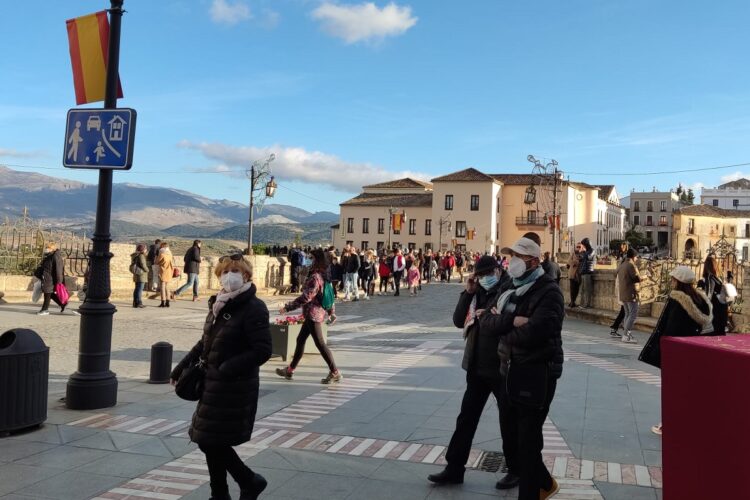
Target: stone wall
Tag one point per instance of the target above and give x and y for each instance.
(270, 274)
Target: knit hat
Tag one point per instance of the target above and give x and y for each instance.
(485, 265)
(683, 274)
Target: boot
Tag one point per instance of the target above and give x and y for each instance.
(167, 305)
(252, 490)
(135, 304)
(447, 476)
(220, 492)
(140, 305)
(162, 304)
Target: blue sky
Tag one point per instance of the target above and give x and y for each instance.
(347, 93)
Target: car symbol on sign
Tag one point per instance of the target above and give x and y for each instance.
(94, 122)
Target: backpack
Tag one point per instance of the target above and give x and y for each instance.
(133, 266)
(328, 296)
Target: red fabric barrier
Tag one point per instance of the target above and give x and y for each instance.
(706, 411)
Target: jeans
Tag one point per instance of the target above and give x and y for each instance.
(587, 283)
(478, 389)
(223, 459)
(521, 430)
(631, 311)
(309, 327)
(192, 280)
(350, 285)
(138, 292)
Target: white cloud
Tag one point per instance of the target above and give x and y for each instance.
(224, 12)
(365, 21)
(298, 164)
(14, 153)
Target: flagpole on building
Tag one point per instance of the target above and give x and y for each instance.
(94, 385)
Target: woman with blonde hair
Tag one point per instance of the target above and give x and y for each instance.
(236, 341)
(166, 272)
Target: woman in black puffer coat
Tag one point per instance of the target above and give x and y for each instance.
(237, 340)
(51, 272)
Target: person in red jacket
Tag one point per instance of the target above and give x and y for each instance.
(384, 271)
(449, 263)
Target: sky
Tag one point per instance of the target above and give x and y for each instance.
(349, 93)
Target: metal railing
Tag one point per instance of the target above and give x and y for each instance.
(531, 221)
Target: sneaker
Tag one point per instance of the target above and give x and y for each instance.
(446, 477)
(332, 377)
(544, 494)
(614, 333)
(628, 339)
(657, 429)
(285, 372)
(367, 297)
(43, 313)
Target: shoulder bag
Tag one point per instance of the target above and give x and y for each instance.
(527, 384)
(192, 379)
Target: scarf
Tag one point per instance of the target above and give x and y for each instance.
(520, 287)
(223, 297)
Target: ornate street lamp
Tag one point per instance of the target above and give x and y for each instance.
(258, 172)
(271, 188)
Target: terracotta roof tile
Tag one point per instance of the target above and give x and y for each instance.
(711, 211)
(466, 175)
(406, 182)
(387, 200)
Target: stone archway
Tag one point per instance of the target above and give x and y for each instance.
(689, 248)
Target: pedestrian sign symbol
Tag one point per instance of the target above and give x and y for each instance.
(99, 138)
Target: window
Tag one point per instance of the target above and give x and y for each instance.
(649, 206)
(412, 226)
(411, 246)
(662, 220)
(716, 203)
(350, 225)
(474, 202)
(531, 216)
(636, 206)
(691, 226)
(747, 230)
(636, 220)
(649, 235)
(365, 225)
(744, 254)
(663, 206)
(649, 220)
(449, 202)
(350, 243)
(428, 227)
(460, 229)
(380, 245)
(735, 203)
(428, 246)
(381, 226)
(365, 245)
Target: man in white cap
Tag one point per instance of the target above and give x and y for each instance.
(528, 321)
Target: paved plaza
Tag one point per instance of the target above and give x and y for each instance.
(376, 435)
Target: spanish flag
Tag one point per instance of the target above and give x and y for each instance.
(88, 37)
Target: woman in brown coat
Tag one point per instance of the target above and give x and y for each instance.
(166, 272)
(573, 274)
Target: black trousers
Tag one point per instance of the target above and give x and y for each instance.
(619, 318)
(397, 275)
(54, 297)
(294, 278)
(309, 327)
(223, 459)
(521, 430)
(575, 285)
(478, 389)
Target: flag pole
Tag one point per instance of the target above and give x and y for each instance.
(94, 385)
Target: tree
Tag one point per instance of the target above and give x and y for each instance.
(637, 239)
(686, 196)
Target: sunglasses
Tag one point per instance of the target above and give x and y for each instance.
(234, 256)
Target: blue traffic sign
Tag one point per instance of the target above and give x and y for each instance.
(99, 138)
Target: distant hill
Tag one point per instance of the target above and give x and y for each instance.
(279, 234)
(145, 211)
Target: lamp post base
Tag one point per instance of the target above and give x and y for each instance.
(91, 391)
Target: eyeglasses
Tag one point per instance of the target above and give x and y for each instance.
(234, 256)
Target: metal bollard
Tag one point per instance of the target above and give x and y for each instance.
(161, 363)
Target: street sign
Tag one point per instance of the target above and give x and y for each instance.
(99, 138)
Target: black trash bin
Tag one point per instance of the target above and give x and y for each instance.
(24, 370)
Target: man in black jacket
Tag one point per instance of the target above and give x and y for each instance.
(480, 362)
(191, 269)
(528, 321)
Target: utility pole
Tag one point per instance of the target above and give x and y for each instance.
(250, 216)
(94, 385)
(259, 171)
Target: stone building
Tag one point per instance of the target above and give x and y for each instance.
(732, 195)
(699, 227)
(652, 213)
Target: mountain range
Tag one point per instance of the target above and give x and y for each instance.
(139, 210)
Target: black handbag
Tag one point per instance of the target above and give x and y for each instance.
(651, 352)
(193, 377)
(527, 384)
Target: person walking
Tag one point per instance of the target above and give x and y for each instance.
(236, 341)
(139, 269)
(460, 262)
(399, 264)
(449, 264)
(574, 276)
(367, 273)
(337, 274)
(51, 271)
(588, 258)
(312, 309)
(714, 286)
(153, 253)
(384, 271)
(166, 272)
(427, 269)
(617, 323)
(627, 290)
(413, 278)
(351, 290)
(295, 262)
(528, 320)
(482, 366)
(685, 314)
(191, 269)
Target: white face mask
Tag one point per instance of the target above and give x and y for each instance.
(232, 281)
(516, 267)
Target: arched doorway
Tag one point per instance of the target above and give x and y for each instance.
(690, 248)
